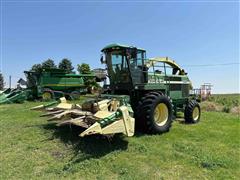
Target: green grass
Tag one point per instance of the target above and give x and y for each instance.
(229, 100)
(32, 148)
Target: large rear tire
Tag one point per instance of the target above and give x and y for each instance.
(154, 113)
(192, 112)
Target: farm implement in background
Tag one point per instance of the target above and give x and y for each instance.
(13, 96)
(48, 85)
(55, 83)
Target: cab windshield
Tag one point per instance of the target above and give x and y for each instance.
(119, 68)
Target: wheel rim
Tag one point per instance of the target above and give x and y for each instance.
(47, 95)
(196, 113)
(161, 114)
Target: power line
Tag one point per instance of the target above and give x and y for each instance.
(209, 65)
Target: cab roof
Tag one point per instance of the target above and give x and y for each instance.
(116, 46)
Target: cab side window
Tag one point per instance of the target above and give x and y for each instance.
(169, 70)
(159, 68)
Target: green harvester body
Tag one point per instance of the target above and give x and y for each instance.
(55, 81)
(136, 75)
(158, 88)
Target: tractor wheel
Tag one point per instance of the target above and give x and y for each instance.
(47, 95)
(154, 113)
(192, 112)
(75, 95)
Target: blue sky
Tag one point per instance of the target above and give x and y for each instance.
(191, 33)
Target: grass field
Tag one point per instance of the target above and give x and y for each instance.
(230, 100)
(31, 148)
(229, 103)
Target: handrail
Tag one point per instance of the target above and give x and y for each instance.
(167, 60)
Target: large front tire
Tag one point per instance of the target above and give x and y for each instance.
(155, 113)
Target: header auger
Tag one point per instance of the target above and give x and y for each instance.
(144, 92)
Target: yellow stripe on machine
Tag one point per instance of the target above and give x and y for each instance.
(63, 85)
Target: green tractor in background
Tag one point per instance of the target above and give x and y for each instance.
(158, 87)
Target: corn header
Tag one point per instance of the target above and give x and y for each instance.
(106, 115)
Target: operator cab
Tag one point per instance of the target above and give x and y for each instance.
(125, 65)
(128, 69)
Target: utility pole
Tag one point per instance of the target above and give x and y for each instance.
(10, 81)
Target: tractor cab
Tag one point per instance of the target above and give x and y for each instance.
(130, 72)
(125, 65)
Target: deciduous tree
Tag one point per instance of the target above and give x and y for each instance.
(84, 68)
(66, 65)
(90, 82)
(37, 68)
(48, 64)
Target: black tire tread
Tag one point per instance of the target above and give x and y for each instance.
(189, 112)
(145, 108)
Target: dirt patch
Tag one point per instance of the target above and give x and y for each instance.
(235, 110)
(211, 106)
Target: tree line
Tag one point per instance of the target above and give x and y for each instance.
(64, 64)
